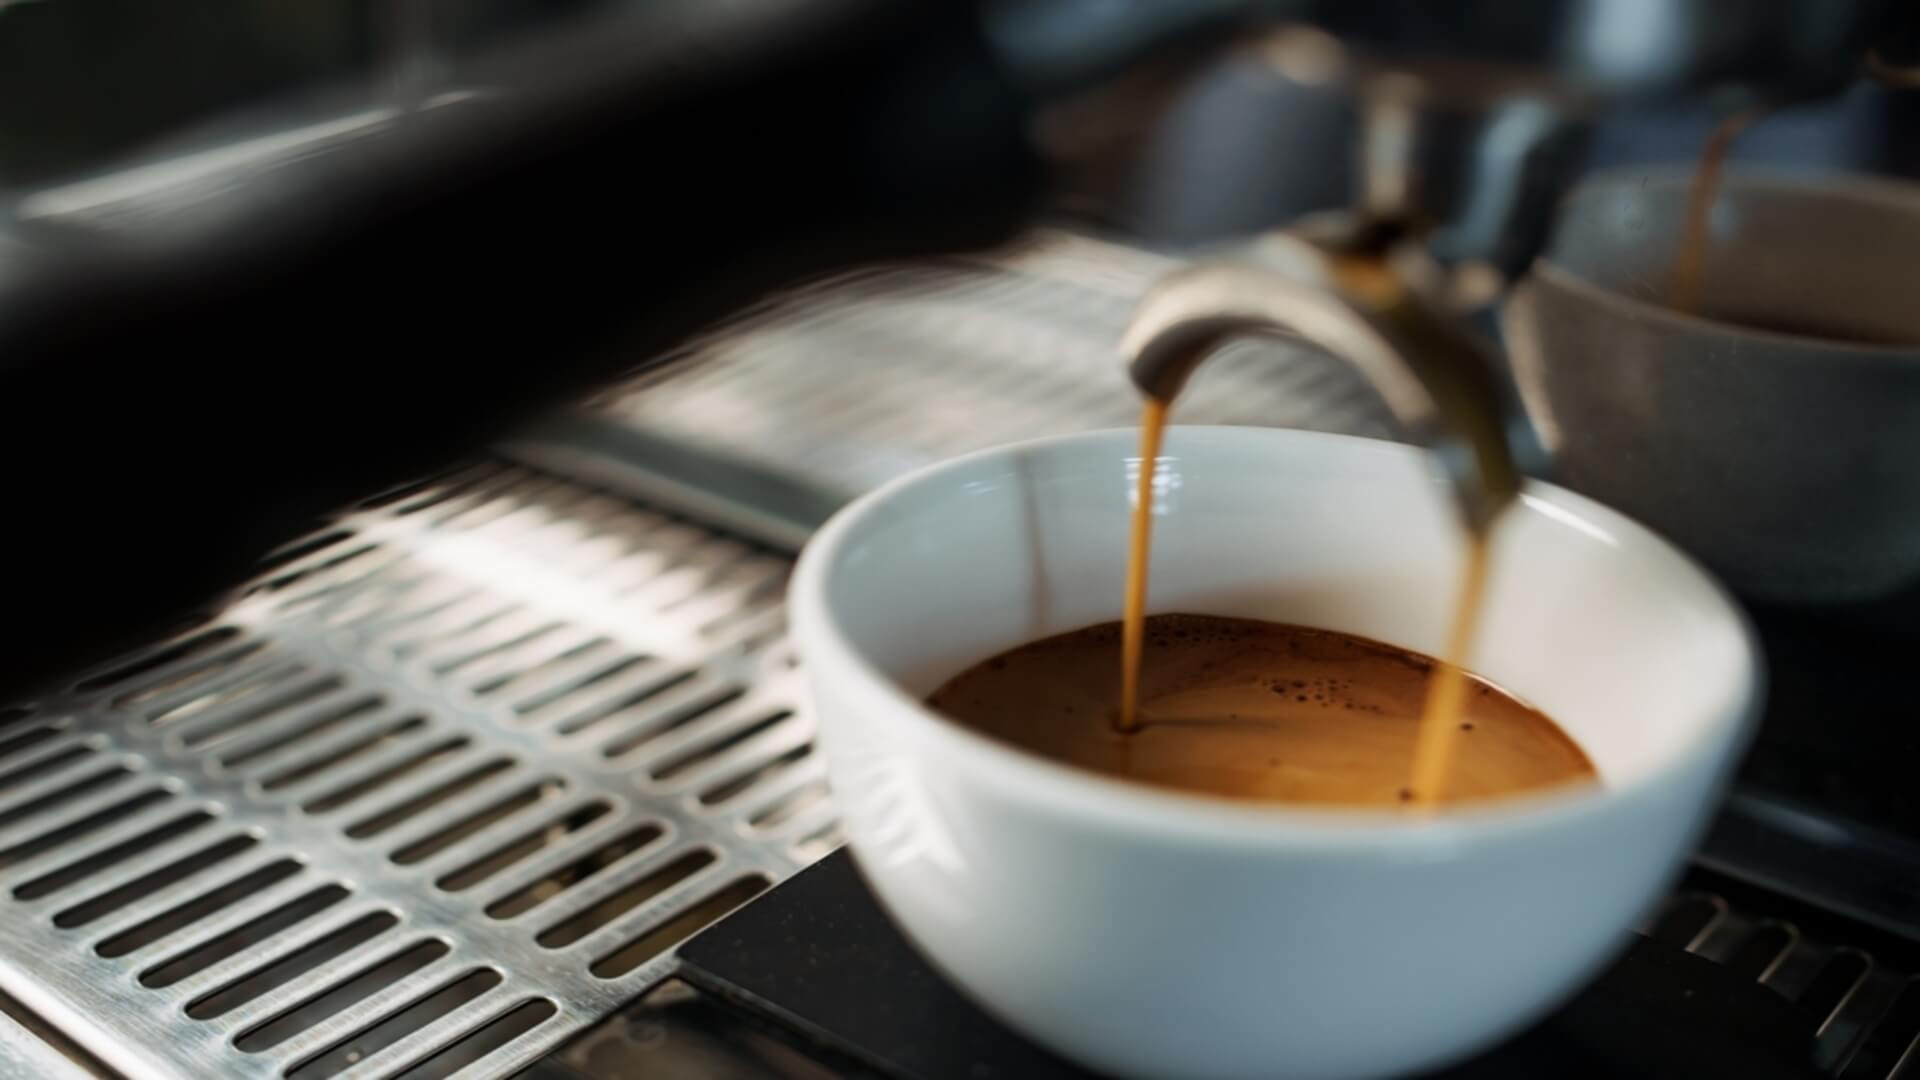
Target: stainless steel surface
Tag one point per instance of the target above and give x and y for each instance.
(1440, 384)
(445, 787)
(830, 391)
(23, 1054)
(1783, 461)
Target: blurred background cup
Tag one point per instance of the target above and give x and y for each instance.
(1772, 434)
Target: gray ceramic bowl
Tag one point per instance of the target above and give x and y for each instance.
(1778, 436)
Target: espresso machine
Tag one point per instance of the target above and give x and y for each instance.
(384, 712)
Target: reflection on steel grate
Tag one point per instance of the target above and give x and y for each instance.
(1862, 988)
(448, 784)
(848, 383)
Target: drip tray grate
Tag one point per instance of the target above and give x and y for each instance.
(446, 786)
(821, 394)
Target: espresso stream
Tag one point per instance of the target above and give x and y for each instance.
(1690, 258)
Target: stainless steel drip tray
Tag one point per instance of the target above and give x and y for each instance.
(445, 787)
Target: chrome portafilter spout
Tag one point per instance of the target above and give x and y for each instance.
(1373, 300)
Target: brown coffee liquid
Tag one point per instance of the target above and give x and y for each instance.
(1690, 259)
(1447, 693)
(1261, 711)
(1153, 424)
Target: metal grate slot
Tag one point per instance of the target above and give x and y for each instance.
(549, 694)
(503, 645)
(158, 658)
(603, 912)
(551, 884)
(295, 552)
(81, 869)
(1859, 1008)
(685, 704)
(678, 928)
(527, 683)
(1891, 1039)
(414, 762)
(311, 567)
(395, 741)
(64, 791)
(285, 917)
(440, 1003)
(333, 755)
(1689, 919)
(449, 835)
(539, 653)
(743, 782)
(312, 725)
(227, 689)
(1764, 950)
(419, 804)
(308, 1014)
(494, 1034)
(524, 847)
(176, 684)
(178, 918)
(449, 624)
(790, 806)
(26, 740)
(820, 843)
(153, 882)
(222, 728)
(716, 746)
(1841, 976)
(48, 763)
(72, 831)
(280, 972)
(641, 682)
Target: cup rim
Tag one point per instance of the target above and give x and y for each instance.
(1143, 809)
(1872, 191)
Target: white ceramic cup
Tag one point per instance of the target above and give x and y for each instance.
(1157, 934)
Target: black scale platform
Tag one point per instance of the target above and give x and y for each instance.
(813, 981)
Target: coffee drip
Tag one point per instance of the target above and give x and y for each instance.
(1690, 258)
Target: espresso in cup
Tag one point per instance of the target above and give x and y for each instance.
(1260, 711)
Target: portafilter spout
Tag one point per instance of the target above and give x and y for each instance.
(1376, 309)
